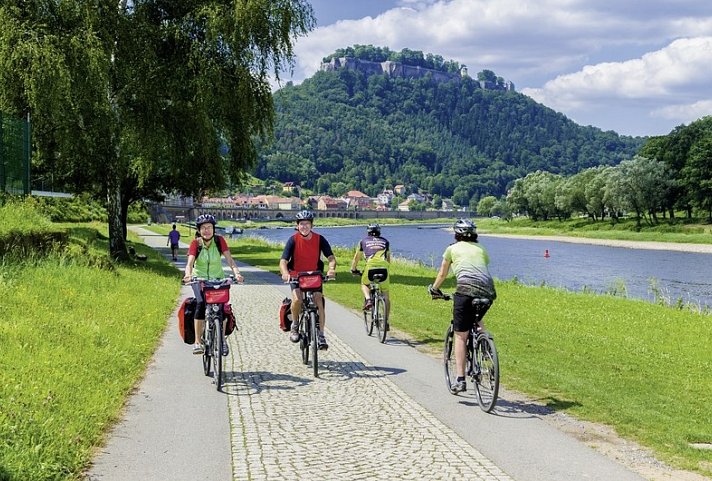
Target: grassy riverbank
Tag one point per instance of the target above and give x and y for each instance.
(77, 332)
(644, 369)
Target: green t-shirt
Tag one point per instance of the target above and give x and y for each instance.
(469, 262)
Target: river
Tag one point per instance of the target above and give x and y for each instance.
(637, 273)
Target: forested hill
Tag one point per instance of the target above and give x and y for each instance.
(344, 130)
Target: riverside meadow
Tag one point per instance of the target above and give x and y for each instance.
(78, 331)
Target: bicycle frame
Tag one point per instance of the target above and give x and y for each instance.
(309, 283)
(482, 362)
(377, 316)
(216, 294)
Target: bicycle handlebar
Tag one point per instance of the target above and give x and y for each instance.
(195, 280)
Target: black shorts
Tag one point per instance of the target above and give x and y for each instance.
(464, 313)
(174, 246)
(200, 306)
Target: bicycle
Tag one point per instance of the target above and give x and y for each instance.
(482, 362)
(309, 283)
(377, 316)
(216, 294)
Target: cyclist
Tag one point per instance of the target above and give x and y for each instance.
(173, 240)
(302, 253)
(204, 261)
(469, 261)
(376, 250)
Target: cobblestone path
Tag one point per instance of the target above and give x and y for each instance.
(351, 423)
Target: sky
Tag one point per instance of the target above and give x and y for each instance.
(637, 67)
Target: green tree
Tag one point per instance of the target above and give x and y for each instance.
(485, 205)
(697, 175)
(129, 95)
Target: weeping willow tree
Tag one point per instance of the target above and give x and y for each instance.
(136, 97)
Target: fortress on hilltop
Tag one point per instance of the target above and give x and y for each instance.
(400, 70)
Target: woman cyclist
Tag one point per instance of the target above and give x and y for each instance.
(205, 261)
(469, 261)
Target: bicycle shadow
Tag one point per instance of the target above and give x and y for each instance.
(525, 409)
(346, 370)
(239, 383)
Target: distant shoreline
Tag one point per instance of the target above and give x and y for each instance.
(628, 244)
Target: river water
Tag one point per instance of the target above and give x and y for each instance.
(637, 273)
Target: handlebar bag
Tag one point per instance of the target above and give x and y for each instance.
(309, 281)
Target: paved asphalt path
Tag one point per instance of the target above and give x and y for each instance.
(177, 427)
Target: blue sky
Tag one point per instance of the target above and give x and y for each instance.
(634, 66)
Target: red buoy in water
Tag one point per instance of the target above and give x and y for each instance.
(546, 253)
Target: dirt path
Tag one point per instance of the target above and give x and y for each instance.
(652, 245)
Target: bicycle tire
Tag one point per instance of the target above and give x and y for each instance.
(304, 338)
(207, 361)
(314, 326)
(380, 318)
(487, 379)
(217, 355)
(449, 359)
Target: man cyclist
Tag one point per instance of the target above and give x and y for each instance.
(469, 261)
(302, 253)
(376, 250)
(205, 261)
(173, 240)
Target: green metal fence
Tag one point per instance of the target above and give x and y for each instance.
(14, 155)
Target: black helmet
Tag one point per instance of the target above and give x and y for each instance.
(373, 229)
(305, 215)
(204, 219)
(465, 227)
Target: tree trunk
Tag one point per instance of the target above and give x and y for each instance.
(117, 241)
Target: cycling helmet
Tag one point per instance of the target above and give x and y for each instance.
(465, 227)
(204, 219)
(305, 215)
(373, 229)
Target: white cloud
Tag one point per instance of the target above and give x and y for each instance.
(678, 71)
(685, 113)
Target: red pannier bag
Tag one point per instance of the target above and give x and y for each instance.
(230, 322)
(186, 314)
(285, 315)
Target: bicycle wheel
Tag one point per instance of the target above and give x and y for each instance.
(487, 379)
(206, 353)
(217, 355)
(304, 337)
(449, 359)
(380, 318)
(314, 328)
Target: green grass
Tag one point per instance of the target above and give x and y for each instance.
(666, 231)
(77, 333)
(644, 369)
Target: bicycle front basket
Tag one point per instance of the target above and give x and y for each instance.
(310, 281)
